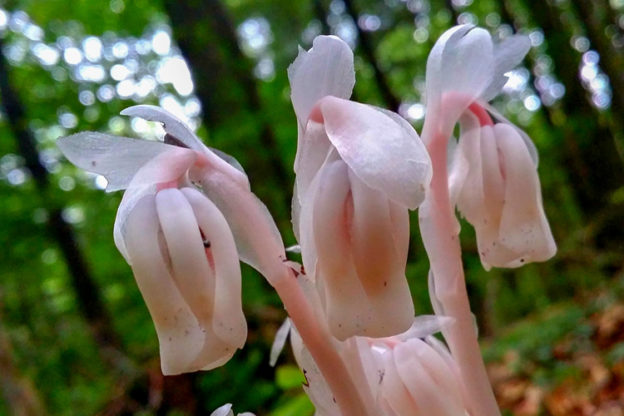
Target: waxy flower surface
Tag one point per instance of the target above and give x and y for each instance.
(359, 168)
(493, 177)
(178, 243)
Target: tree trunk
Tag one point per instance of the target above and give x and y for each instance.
(227, 89)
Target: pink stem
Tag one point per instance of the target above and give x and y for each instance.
(439, 233)
(243, 208)
(317, 340)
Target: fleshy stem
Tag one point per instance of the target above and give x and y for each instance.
(316, 339)
(440, 236)
(241, 207)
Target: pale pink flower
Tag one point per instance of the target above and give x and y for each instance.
(493, 175)
(359, 169)
(408, 374)
(177, 241)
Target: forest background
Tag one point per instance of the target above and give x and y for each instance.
(75, 335)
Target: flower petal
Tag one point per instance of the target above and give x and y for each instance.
(280, 341)
(228, 321)
(194, 276)
(524, 228)
(173, 126)
(116, 158)
(179, 334)
(461, 63)
(384, 152)
(164, 167)
(257, 238)
(326, 69)
(379, 263)
(508, 54)
(346, 303)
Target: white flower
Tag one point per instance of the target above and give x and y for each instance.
(178, 243)
(359, 168)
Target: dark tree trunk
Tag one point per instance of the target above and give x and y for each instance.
(226, 86)
(391, 101)
(589, 149)
(87, 293)
(593, 16)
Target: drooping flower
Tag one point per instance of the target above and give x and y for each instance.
(359, 168)
(493, 177)
(178, 242)
(411, 373)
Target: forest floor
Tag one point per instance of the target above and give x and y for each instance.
(568, 361)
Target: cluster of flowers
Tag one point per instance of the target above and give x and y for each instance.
(188, 216)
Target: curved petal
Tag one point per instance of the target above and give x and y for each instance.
(228, 321)
(470, 195)
(508, 54)
(524, 228)
(179, 334)
(394, 395)
(346, 303)
(428, 380)
(116, 158)
(379, 263)
(257, 238)
(165, 167)
(461, 62)
(173, 126)
(194, 276)
(326, 69)
(312, 150)
(384, 153)
(281, 336)
(499, 118)
(225, 410)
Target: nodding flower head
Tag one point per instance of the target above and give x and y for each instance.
(178, 243)
(359, 168)
(411, 373)
(493, 174)
(495, 184)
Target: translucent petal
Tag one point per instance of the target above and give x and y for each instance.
(385, 154)
(507, 55)
(173, 126)
(195, 278)
(524, 228)
(179, 334)
(165, 167)
(326, 69)
(279, 342)
(312, 151)
(228, 321)
(395, 397)
(116, 158)
(257, 238)
(379, 263)
(429, 382)
(347, 308)
(225, 410)
(461, 62)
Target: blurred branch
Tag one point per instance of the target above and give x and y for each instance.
(366, 45)
(451, 9)
(592, 15)
(223, 74)
(321, 16)
(87, 292)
